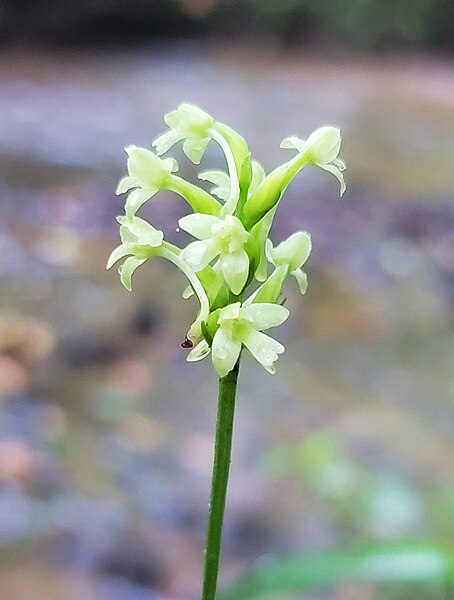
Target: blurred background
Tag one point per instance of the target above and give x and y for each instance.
(105, 432)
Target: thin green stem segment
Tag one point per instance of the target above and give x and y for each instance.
(219, 481)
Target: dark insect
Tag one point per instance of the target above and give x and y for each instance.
(187, 343)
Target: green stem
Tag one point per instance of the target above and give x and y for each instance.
(219, 481)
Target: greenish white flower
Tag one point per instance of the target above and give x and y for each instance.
(232, 244)
(147, 174)
(139, 241)
(196, 128)
(292, 253)
(321, 148)
(218, 237)
(191, 124)
(243, 326)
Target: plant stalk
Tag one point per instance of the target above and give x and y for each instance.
(219, 481)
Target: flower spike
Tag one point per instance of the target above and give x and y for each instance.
(232, 245)
(231, 251)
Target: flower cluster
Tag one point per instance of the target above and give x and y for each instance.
(227, 266)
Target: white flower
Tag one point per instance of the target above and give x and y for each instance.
(243, 325)
(219, 237)
(322, 149)
(196, 128)
(147, 174)
(293, 253)
(139, 241)
(188, 123)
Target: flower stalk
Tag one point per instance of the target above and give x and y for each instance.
(227, 264)
(219, 481)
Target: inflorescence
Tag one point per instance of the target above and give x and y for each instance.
(227, 267)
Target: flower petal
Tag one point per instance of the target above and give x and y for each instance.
(136, 198)
(221, 181)
(340, 163)
(263, 348)
(263, 315)
(194, 148)
(147, 169)
(171, 164)
(224, 352)
(293, 142)
(294, 251)
(199, 352)
(127, 269)
(143, 231)
(119, 252)
(126, 236)
(229, 312)
(199, 225)
(258, 175)
(188, 292)
(165, 141)
(199, 254)
(125, 184)
(189, 119)
(301, 279)
(235, 268)
(337, 174)
(217, 177)
(324, 144)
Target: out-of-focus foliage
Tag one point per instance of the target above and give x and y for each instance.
(372, 24)
(378, 503)
(395, 563)
(367, 23)
(66, 22)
